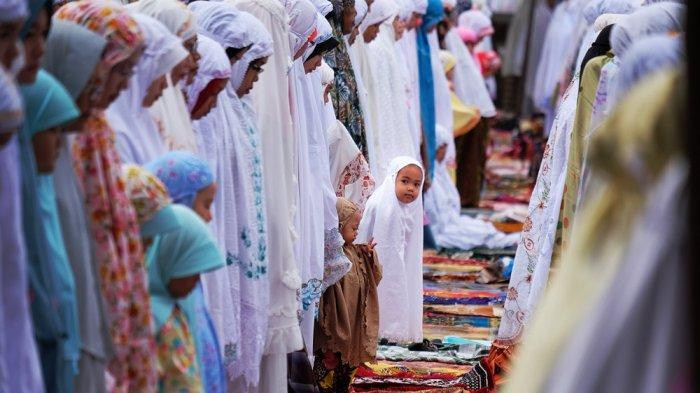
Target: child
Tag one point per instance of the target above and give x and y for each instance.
(347, 326)
(190, 182)
(394, 218)
(48, 107)
(180, 248)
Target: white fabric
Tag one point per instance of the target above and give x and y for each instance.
(533, 256)
(398, 230)
(421, 6)
(477, 22)
(381, 10)
(443, 95)
(639, 325)
(469, 84)
(657, 18)
(323, 6)
(361, 9)
(138, 138)
(644, 57)
(270, 97)
(170, 110)
(20, 370)
(213, 64)
(442, 205)
(223, 23)
(407, 46)
(557, 52)
(302, 22)
(387, 100)
(406, 8)
(355, 51)
(172, 13)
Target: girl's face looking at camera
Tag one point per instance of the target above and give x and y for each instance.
(408, 183)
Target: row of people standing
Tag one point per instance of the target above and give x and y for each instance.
(137, 124)
(595, 196)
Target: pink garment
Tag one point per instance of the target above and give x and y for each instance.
(119, 252)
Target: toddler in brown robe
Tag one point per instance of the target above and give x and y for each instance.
(348, 324)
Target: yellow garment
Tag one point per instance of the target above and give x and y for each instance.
(465, 117)
(627, 156)
(584, 110)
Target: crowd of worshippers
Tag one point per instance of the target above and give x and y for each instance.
(191, 192)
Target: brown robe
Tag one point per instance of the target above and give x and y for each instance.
(348, 321)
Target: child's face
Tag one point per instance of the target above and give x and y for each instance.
(203, 200)
(408, 183)
(349, 230)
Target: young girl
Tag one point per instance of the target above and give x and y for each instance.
(348, 323)
(180, 248)
(394, 219)
(48, 106)
(190, 182)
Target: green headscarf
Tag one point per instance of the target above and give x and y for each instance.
(181, 253)
(54, 311)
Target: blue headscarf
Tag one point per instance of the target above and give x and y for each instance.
(183, 174)
(54, 311)
(432, 17)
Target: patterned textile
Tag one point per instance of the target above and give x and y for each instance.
(118, 250)
(343, 94)
(357, 171)
(412, 373)
(332, 375)
(177, 360)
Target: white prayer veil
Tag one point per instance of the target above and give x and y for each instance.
(657, 18)
(170, 110)
(645, 57)
(323, 6)
(381, 10)
(172, 13)
(421, 6)
(387, 110)
(397, 229)
(11, 112)
(302, 22)
(138, 138)
(477, 21)
(213, 64)
(223, 23)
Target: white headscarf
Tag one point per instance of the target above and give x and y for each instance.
(323, 6)
(653, 19)
(223, 23)
(213, 64)
(380, 11)
(421, 6)
(643, 58)
(398, 230)
(170, 110)
(387, 109)
(261, 47)
(172, 13)
(406, 8)
(138, 139)
(302, 22)
(476, 21)
(12, 10)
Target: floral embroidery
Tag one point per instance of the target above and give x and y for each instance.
(230, 354)
(310, 293)
(336, 264)
(178, 370)
(357, 170)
